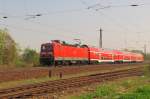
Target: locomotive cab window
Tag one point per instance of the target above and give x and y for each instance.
(46, 47)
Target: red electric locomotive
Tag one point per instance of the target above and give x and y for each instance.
(58, 52)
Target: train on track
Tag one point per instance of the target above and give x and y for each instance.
(59, 53)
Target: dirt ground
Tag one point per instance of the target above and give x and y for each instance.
(37, 72)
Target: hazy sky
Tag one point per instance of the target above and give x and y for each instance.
(123, 26)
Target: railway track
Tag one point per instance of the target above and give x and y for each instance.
(28, 91)
(37, 72)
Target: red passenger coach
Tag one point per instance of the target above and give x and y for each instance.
(94, 55)
(107, 56)
(127, 57)
(118, 56)
(140, 58)
(133, 57)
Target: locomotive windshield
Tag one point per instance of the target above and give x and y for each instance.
(46, 48)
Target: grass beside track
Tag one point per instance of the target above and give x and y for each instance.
(44, 79)
(130, 88)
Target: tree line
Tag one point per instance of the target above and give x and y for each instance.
(12, 55)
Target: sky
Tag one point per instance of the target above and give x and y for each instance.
(123, 26)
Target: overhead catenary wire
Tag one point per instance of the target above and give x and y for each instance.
(60, 12)
(97, 6)
(125, 28)
(31, 16)
(112, 19)
(94, 6)
(108, 17)
(36, 15)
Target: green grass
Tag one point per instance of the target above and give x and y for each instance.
(102, 91)
(142, 92)
(133, 88)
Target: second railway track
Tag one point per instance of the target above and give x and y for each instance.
(33, 90)
(39, 72)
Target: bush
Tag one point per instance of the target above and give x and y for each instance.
(9, 53)
(30, 56)
(8, 49)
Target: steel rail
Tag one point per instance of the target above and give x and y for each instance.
(59, 85)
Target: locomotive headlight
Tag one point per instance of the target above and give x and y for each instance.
(50, 53)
